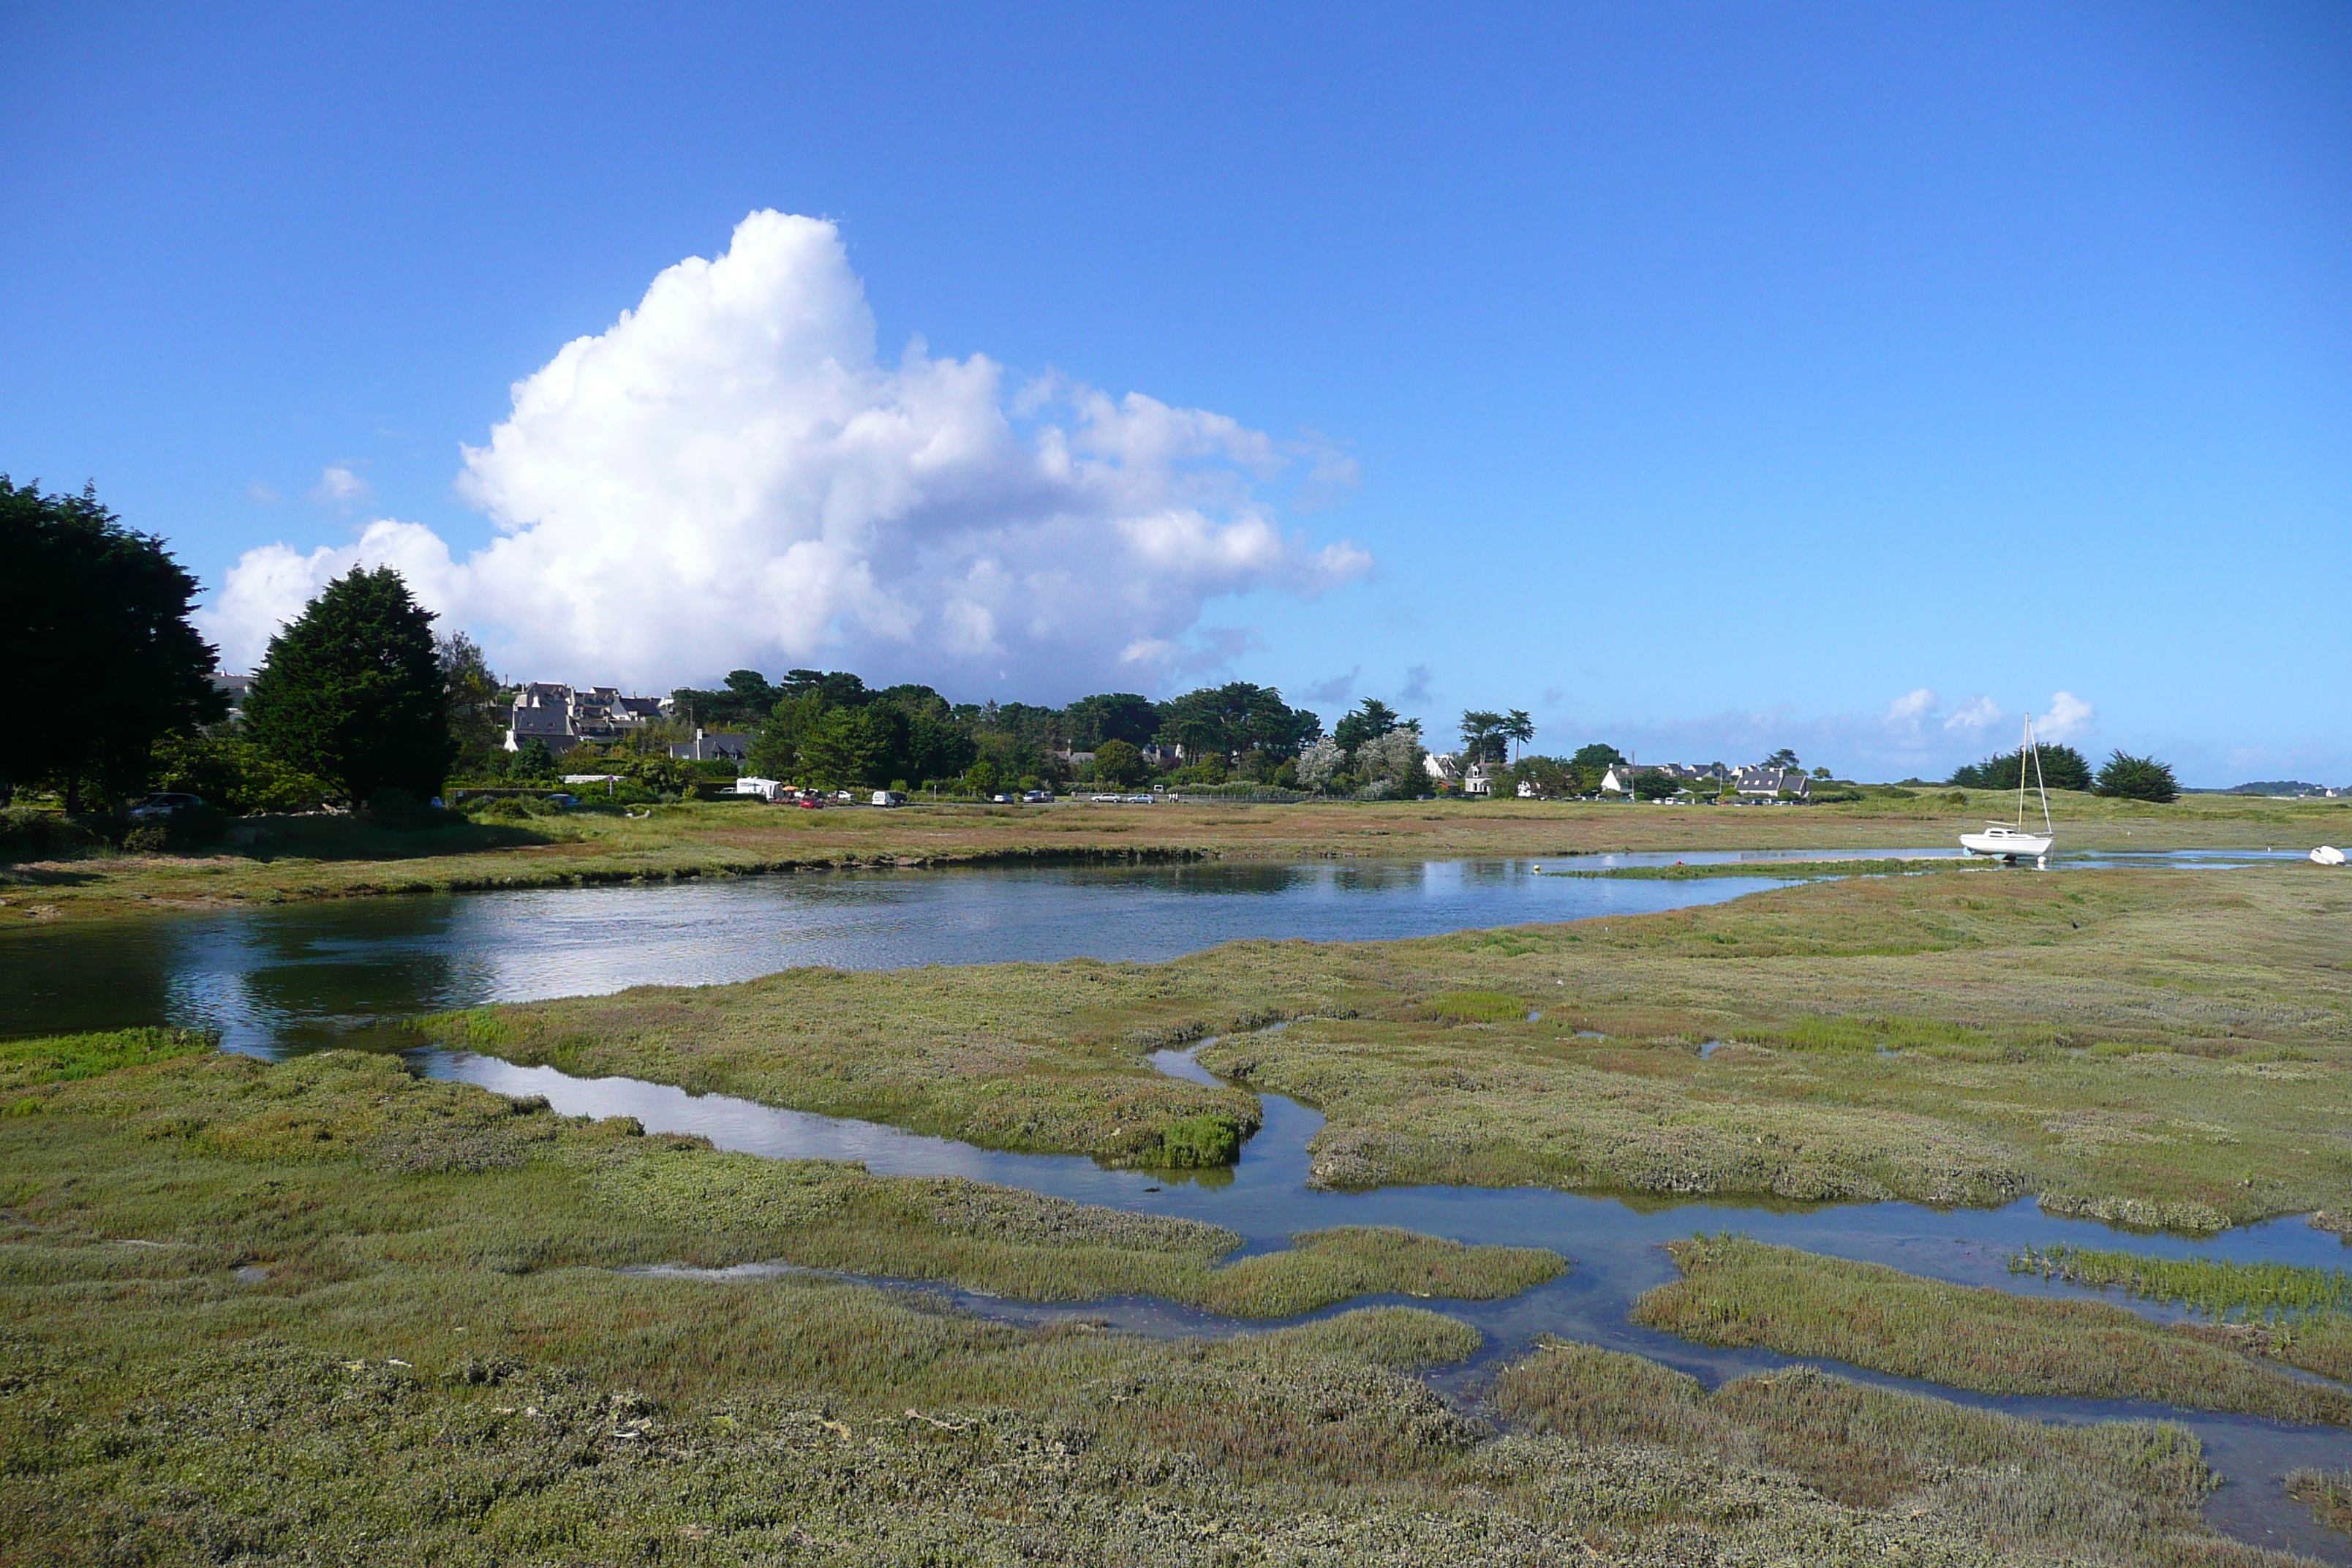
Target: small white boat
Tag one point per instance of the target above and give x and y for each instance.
(2001, 838)
(2327, 855)
(2015, 843)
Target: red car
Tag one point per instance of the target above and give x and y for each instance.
(812, 802)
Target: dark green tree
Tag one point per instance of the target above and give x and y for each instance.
(479, 710)
(2138, 778)
(352, 692)
(1226, 721)
(1783, 758)
(533, 764)
(89, 606)
(1486, 737)
(1651, 783)
(2063, 767)
(234, 775)
(1549, 776)
(1519, 728)
(775, 750)
(1091, 721)
(1118, 763)
(1370, 720)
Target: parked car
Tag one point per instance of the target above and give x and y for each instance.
(563, 799)
(889, 798)
(1004, 800)
(810, 802)
(1039, 797)
(1138, 799)
(160, 807)
(1106, 799)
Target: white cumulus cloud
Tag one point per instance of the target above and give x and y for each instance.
(339, 486)
(1910, 708)
(2068, 718)
(729, 475)
(1975, 713)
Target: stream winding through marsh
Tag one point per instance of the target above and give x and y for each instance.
(273, 981)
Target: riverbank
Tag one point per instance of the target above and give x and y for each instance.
(273, 861)
(2153, 1046)
(322, 1307)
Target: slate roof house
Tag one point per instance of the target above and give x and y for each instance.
(707, 747)
(562, 717)
(1771, 784)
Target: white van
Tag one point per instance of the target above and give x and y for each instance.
(889, 798)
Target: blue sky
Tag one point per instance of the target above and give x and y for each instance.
(1706, 379)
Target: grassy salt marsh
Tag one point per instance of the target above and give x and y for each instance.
(2152, 1047)
(323, 1312)
(1738, 1293)
(280, 859)
(2126, 1491)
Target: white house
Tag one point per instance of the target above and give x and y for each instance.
(1441, 766)
(1618, 779)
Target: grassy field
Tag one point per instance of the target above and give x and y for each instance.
(284, 858)
(321, 1312)
(1738, 1293)
(2159, 1048)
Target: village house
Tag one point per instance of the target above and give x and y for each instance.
(1772, 783)
(709, 747)
(562, 717)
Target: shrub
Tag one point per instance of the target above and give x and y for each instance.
(2138, 778)
(29, 833)
(1198, 1141)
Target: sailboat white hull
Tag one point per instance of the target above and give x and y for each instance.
(2015, 843)
(2006, 841)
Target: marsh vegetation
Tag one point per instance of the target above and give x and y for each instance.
(1738, 1293)
(2159, 1047)
(324, 1309)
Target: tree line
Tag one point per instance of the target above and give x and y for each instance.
(358, 700)
(2122, 775)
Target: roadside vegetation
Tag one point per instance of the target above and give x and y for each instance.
(1738, 1293)
(323, 1310)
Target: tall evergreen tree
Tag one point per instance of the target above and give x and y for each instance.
(353, 691)
(91, 607)
(2138, 778)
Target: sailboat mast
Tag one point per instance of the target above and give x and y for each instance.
(2040, 786)
(2023, 747)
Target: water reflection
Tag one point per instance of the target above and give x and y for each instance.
(296, 977)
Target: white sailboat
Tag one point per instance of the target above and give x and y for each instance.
(2014, 843)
